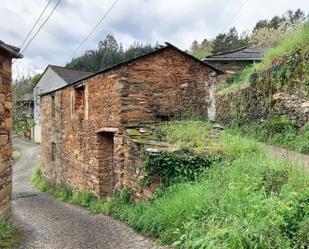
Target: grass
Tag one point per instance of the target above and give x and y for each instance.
(191, 134)
(16, 154)
(249, 200)
(9, 236)
(292, 41)
(299, 38)
(277, 131)
(238, 80)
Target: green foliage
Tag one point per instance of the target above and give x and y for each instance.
(241, 77)
(299, 38)
(289, 18)
(248, 200)
(238, 204)
(9, 236)
(228, 41)
(200, 50)
(16, 154)
(82, 198)
(108, 53)
(6, 229)
(285, 66)
(177, 166)
(191, 134)
(20, 126)
(35, 79)
(278, 130)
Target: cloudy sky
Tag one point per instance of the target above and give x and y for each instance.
(176, 21)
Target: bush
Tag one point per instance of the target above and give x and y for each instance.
(240, 203)
(177, 166)
(6, 230)
(9, 237)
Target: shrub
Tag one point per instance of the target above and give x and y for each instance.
(177, 166)
(6, 229)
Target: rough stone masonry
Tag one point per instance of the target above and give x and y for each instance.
(7, 52)
(86, 126)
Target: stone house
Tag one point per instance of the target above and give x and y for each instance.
(86, 126)
(53, 78)
(7, 52)
(235, 60)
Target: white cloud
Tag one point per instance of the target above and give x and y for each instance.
(176, 21)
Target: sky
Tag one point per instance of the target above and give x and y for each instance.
(149, 21)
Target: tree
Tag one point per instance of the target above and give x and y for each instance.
(108, 53)
(229, 41)
(288, 19)
(270, 33)
(200, 50)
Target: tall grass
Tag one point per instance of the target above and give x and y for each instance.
(292, 40)
(238, 204)
(277, 131)
(187, 134)
(250, 200)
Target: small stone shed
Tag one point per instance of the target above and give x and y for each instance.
(235, 60)
(7, 52)
(86, 141)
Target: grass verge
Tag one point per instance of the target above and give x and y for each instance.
(9, 236)
(249, 200)
(277, 131)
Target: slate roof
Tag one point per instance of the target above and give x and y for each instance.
(241, 54)
(161, 48)
(69, 75)
(13, 51)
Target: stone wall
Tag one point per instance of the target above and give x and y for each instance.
(91, 125)
(249, 104)
(5, 135)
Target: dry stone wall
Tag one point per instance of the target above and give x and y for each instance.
(249, 104)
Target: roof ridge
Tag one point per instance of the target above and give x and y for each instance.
(70, 69)
(228, 52)
(168, 45)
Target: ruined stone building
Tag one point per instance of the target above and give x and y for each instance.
(235, 60)
(86, 126)
(53, 78)
(7, 52)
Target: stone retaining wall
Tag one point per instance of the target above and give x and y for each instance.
(248, 104)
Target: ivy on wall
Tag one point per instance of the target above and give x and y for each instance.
(176, 166)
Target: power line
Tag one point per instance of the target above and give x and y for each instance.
(235, 15)
(95, 27)
(42, 25)
(37, 21)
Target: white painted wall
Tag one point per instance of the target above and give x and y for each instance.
(49, 81)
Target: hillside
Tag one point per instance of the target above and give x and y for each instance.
(269, 101)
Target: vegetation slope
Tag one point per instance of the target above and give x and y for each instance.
(247, 199)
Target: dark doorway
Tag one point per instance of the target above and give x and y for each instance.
(106, 163)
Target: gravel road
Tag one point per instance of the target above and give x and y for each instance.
(47, 223)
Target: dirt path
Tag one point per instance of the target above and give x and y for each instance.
(47, 223)
(292, 156)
